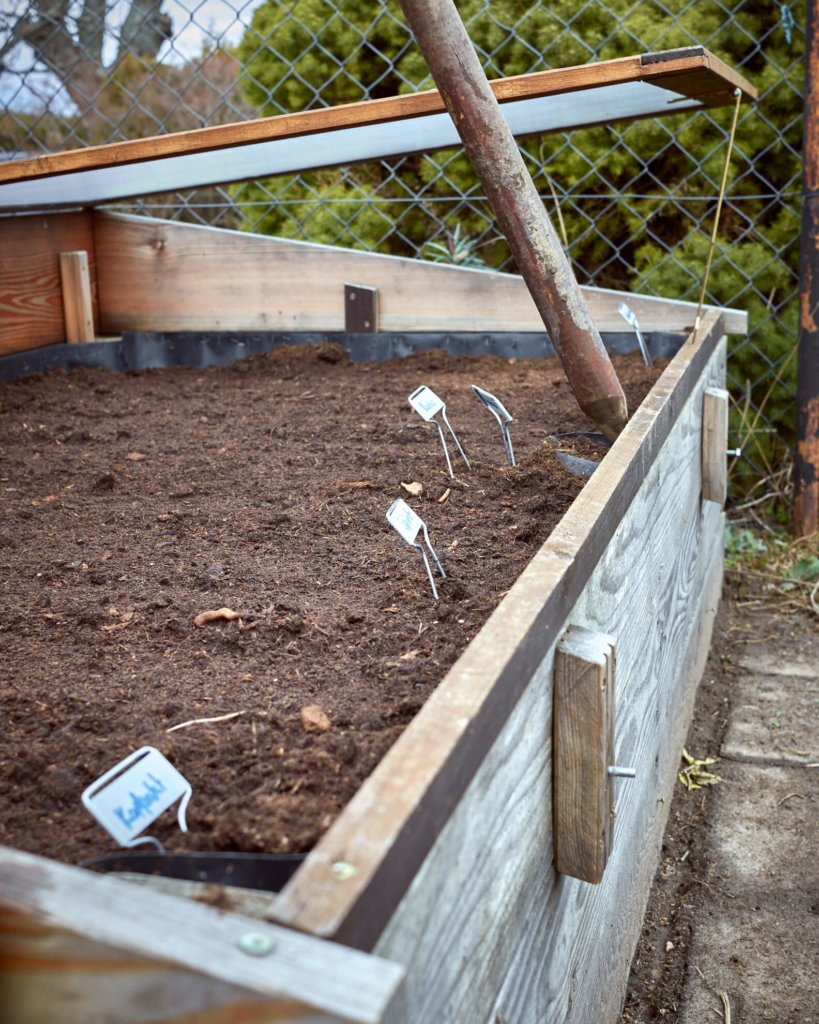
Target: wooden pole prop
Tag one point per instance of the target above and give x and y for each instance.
(497, 161)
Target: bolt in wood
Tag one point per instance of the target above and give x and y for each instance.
(497, 161)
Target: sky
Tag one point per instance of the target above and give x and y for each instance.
(195, 24)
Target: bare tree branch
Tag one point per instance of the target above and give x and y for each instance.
(74, 52)
(145, 29)
(91, 28)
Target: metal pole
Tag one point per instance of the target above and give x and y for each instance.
(806, 489)
(497, 161)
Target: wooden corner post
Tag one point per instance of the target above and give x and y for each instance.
(715, 445)
(583, 757)
(78, 306)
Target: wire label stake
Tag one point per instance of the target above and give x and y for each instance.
(402, 519)
(631, 319)
(427, 404)
(502, 415)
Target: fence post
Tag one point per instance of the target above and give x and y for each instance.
(806, 482)
(496, 159)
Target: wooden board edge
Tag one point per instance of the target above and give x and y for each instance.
(302, 972)
(355, 876)
(332, 267)
(368, 112)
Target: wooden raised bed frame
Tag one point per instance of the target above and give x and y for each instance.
(441, 869)
(434, 896)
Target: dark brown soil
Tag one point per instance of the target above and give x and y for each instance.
(134, 502)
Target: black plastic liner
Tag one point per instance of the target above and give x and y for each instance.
(266, 872)
(198, 349)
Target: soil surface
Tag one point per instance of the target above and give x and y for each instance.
(135, 502)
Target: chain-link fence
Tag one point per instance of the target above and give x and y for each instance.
(635, 204)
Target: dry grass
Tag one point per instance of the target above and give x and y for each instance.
(767, 568)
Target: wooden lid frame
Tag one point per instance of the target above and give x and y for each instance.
(564, 99)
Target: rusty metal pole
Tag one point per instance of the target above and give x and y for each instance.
(806, 489)
(497, 161)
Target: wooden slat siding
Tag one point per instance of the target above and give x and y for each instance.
(179, 956)
(31, 300)
(715, 445)
(488, 931)
(163, 276)
(700, 74)
(388, 828)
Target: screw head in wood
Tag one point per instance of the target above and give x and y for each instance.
(256, 944)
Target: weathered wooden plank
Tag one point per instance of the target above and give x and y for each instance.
(390, 825)
(31, 300)
(556, 100)
(715, 445)
(583, 741)
(488, 930)
(80, 946)
(78, 308)
(163, 276)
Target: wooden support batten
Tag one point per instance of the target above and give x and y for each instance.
(78, 308)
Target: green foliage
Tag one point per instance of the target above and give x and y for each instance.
(457, 248)
(806, 569)
(331, 211)
(638, 201)
(740, 542)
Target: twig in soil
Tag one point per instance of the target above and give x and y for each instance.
(790, 796)
(206, 721)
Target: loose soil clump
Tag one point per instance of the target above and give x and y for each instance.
(133, 503)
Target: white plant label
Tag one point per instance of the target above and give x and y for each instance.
(425, 402)
(401, 517)
(132, 794)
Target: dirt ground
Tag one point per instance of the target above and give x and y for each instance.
(135, 502)
(688, 890)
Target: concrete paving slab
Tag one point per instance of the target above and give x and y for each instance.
(757, 938)
(775, 717)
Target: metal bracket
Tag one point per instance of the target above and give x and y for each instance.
(360, 309)
(583, 753)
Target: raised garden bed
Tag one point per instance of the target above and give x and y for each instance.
(134, 502)
(440, 865)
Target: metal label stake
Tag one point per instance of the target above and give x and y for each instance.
(631, 319)
(401, 517)
(502, 415)
(427, 404)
